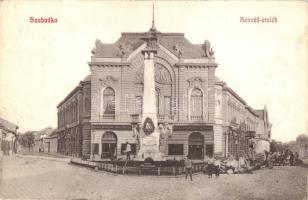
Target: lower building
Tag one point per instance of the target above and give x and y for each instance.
(8, 133)
(50, 142)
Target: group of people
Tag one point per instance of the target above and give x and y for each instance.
(215, 165)
(283, 158)
(212, 167)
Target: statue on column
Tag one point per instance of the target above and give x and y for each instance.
(165, 132)
(136, 134)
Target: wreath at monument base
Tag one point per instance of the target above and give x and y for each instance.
(148, 126)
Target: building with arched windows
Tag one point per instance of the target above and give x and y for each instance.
(197, 114)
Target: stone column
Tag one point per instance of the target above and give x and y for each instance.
(149, 141)
(149, 100)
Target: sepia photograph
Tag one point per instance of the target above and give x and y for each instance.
(154, 100)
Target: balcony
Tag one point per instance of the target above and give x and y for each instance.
(196, 117)
(161, 118)
(108, 117)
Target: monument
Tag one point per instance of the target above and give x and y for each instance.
(149, 132)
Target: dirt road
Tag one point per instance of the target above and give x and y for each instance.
(37, 178)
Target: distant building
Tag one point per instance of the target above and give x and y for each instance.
(303, 152)
(303, 148)
(39, 139)
(240, 122)
(198, 114)
(8, 131)
(50, 142)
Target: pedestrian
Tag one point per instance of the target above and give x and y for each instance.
(296, 160)
(270, 160)
(266, 157)
(288, 156)
(291, 158)
(188, 167)
(216, 167)
(210, 166)
(128, 150)
(205, 163)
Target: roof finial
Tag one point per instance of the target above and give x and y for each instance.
(153, 18)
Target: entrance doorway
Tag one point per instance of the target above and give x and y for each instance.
(109, 145)
(196, 146)
(209, 150)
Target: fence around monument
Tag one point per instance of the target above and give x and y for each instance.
(137, 170)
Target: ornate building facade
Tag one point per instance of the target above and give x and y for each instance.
(197, 114)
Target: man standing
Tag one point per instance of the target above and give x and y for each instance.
(296, 160)
(188, 167)
(217, 166)
(210, 166)
(291, 158)
(128, 150)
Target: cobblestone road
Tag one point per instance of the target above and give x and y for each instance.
(36, 178)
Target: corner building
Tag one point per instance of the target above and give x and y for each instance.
(74, 120)
(191, 103)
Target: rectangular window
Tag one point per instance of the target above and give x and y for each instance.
(176, 149)
(95, 148)
(132, 146)
(138, 105)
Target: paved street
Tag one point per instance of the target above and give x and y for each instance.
(37, 178)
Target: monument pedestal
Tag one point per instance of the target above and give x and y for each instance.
(149, 148)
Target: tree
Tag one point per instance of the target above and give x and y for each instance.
(302, 139)
(27, 139)
(276, 146)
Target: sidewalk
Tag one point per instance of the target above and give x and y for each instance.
(45, 156)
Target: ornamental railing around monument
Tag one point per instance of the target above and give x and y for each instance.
(137, 170)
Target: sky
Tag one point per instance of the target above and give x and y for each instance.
(265, 63)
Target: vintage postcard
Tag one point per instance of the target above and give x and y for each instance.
(154, 100)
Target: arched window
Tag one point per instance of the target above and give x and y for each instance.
(108, 103)
(196, 104)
